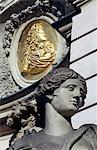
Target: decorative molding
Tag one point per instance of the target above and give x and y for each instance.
(4, 4)
(80, 2)
(14, 28)
(7, 83)
(37, 10)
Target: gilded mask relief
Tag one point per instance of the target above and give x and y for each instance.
(36, 49)
(32, 45)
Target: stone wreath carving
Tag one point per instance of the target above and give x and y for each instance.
(38, 9)
(22, 119)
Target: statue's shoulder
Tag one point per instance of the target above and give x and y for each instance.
(89, 136)
(84, 138)
(82, 144)
(27, 141)
(89, 128)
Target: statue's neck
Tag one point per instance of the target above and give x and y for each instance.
(56, 124)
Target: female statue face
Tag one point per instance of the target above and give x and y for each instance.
(68, 97)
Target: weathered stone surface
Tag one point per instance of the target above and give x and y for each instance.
(7, 84)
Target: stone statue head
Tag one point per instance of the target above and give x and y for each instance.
(55, 78)
(53, 81)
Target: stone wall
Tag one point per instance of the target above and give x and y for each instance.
(84, 58)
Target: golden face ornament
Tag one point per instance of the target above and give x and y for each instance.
(36, 49)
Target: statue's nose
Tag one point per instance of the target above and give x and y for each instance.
(77, 93)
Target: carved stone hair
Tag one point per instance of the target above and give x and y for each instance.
(55, 78)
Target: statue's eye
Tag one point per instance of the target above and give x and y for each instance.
(71, 88)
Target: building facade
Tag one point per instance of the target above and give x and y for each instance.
(74, 25)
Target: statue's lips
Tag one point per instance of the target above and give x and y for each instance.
(74, 102)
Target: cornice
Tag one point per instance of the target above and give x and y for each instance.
(5, 4)
(79, 2)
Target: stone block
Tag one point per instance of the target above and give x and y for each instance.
(87, 116)
(86, 66)
(91, 97)
(86, 20)
(83, 46)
